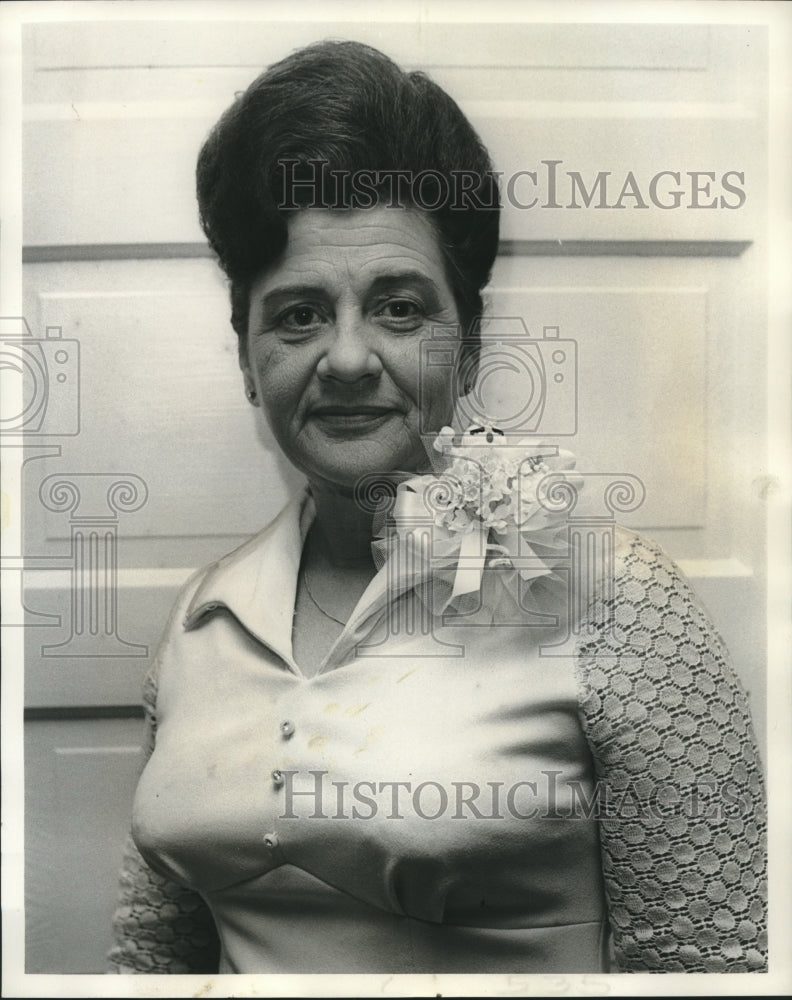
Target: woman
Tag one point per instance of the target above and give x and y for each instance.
(336, 785)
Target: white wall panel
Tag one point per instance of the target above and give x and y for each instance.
(412, 43)
(161, 397)
(106, 114)
(641, 386)
(80, 779)
(91, 175)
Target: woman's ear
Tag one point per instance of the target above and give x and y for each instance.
(247, 373)
(467, 367)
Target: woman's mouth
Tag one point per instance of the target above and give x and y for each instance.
(346, 419)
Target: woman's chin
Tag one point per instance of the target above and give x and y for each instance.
(345, 462)
(351, 473)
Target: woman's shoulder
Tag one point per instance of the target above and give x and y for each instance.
(284, 530)
(644, 603)
(636, 554)
(647, 648)
(222, 580)
(643, 588)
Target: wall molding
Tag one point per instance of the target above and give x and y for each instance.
(79, 712)
(60, 253)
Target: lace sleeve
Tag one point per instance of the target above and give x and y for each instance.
(159, 926)
(683, 838)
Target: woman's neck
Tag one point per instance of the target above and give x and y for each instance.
(342, 530)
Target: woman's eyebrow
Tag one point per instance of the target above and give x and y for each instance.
(417, 279)
(288, 293)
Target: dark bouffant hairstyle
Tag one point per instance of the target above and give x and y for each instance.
(338, 109)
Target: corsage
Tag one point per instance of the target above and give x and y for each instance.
(492, 502)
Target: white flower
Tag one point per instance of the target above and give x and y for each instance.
(444, 440)
(492, 480)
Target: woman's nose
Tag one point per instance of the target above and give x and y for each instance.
(350, 355)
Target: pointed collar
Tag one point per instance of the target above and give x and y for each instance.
(258, 581)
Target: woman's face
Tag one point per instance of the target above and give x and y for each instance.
(333, 345)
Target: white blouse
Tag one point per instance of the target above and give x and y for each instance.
(442, 796)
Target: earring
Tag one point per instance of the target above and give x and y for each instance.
(251, 394)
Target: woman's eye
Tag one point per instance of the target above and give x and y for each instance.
(301, 318)
(403, 313)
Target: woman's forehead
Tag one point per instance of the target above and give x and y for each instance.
(373, 240)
